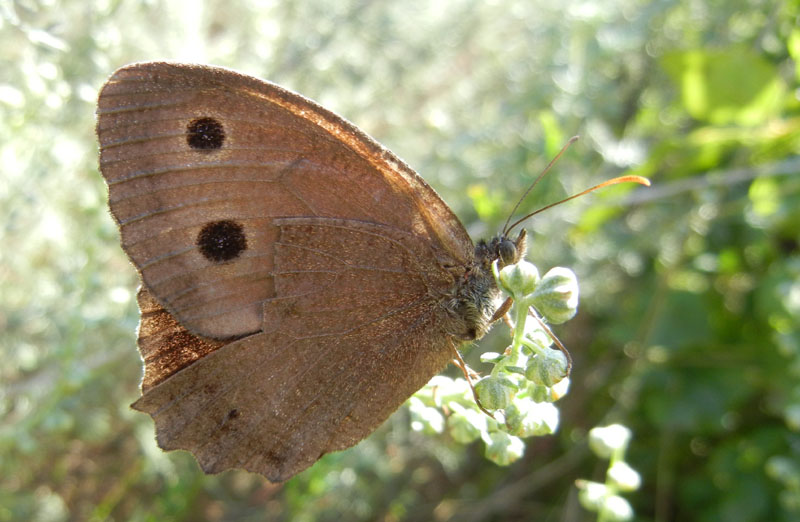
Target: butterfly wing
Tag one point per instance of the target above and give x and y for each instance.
(201, 160)
(254, 214)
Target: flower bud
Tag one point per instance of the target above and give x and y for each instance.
(495, 393)
(616, 508)
(503, 449)
(556, 296)
(547, 368)
(624, 477)
(559, 389)
(519, 279)
(465, 425)
(526, 418)
(424, 418)
(537, 335)
(606, 440)
(491, 357)
(539, 393)
(592, 494)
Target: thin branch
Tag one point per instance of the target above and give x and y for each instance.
(555, 340)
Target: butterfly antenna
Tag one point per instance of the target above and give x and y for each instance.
(621, 179)
(506, 228)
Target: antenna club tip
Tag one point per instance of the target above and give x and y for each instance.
(627, 179)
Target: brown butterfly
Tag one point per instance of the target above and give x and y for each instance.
(299, 281)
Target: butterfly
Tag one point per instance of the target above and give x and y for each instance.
(299, 281)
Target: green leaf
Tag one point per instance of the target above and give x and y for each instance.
(726, 86)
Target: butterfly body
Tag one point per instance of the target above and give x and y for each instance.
(299, 282)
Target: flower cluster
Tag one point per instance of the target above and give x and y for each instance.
(525, 379)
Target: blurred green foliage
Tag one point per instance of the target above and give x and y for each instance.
(688, 330)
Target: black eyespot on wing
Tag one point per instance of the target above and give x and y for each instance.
(221, 241)
(205, 134)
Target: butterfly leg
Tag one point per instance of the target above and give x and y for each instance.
(464, 368)
(502, 310)
(555, 340)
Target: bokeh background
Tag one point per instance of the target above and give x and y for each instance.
(689, 326)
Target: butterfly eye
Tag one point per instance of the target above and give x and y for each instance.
(470, 335)
(508, 251)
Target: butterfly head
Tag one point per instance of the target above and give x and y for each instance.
(505, 250)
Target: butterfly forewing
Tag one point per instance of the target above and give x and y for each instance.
(200, 160)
